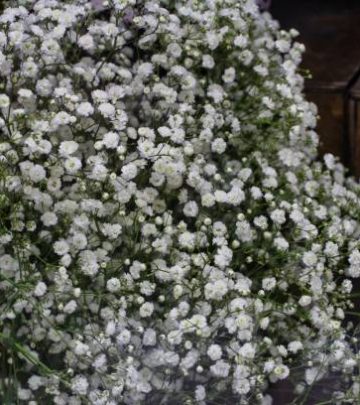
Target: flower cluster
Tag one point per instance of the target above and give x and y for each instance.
(167, 234)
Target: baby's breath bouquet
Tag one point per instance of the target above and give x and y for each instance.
(167, 233)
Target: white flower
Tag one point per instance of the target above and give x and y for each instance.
(200, 393)
(216, 290)
(88, 262)
(111, 230)
(175, 337)
(213, 39)
(191, 209)
(241, 41)
(44, 87)
(244, 231)
(195, 322)
(221, 196)
(123, 338)
(295, 346)
(86, 42)
(216, 93)
(162, 203)
(79, 241)
(85, 109)
(208, 62)
(331, 249)
(149, 338)
(241, 386)
(79, 385)
(4, 101)
(37, 173)
(354, 260)
(190, 359)
(67, 148)
(261, 222)
(329, 161)
(40, 289)
(99, 96)
(111, 140)
(264, 323)
(187, 240)
(278, 216)
(313, 374)
(30, 68)
(297, 216)
(268, 283)
(214, 352)
(107, 110)
(281, 243)
(223, 257)
(80, 348)
(116, 92)
(220, 369)
(35, 382)
(99, 362)
(72, 165)
(49, 219)
(208, 200)
(283, 45)
(247, 351)
(61, 247)
(24, 394)
(113, 285)
(229, 75)
(146, 309)
(243, 321)
(281, 372)
(305, 300)
(146, 69)
(235, 196)
(309, 259)
(62, 118)
(70, 307)
(129, 171)
(50, 47)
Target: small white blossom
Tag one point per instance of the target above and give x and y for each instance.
(79, 385)
(146, 309)
(218, 145)
(214, 352)
(113, 285)
(40, 289)
(268, 283)
(111, 140)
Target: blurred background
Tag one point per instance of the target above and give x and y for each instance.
(330, 30)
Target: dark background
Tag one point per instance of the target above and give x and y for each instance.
(330, 30)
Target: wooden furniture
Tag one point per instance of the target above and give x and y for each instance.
(330, 30)
(354, 127)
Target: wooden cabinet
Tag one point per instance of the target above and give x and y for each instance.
(354, 127)
(330, 31)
